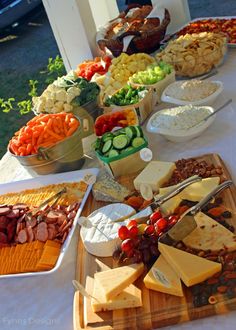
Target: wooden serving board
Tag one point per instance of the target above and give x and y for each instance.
(158, 309)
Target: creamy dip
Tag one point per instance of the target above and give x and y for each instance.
(192, 90)
(179, 118)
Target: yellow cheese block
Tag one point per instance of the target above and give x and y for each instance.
(130, 297)
(198, 190)
(163, 278)
(190, 268)
(114, 281)
(210, 235)
(154, 174)
(169, 206)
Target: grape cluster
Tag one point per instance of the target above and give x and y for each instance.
(140, 241)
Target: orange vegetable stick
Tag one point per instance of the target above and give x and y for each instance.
(58, 137)
(71, 130)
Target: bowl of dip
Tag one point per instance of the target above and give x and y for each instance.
(181, 124)
(194, 91)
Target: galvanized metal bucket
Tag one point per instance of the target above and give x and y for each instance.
(66, 155)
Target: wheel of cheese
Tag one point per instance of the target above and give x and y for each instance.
(99, 233)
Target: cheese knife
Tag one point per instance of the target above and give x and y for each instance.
(158, 201)
(187, 222)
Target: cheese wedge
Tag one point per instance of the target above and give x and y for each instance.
(162, 278)
(190, 268)
(169, 206)
(154, 174)
(130, 297)
(114, 281)
(210, 235)
(198, 190)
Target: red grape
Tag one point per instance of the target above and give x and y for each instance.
(123, 233)
(137, 256)
(155, 216)
(161, 224)
(133, 231)
(172, 220)
(154, 250)
(149, 230)
(127, 245)
(132, 223)
(146, 256)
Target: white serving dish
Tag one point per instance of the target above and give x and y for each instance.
(44, 181)
(206, 101)
(175, 135)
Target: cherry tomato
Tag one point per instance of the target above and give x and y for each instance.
(161, 224)
(132, 223)
(123, 233)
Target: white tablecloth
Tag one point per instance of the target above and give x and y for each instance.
(46, 302)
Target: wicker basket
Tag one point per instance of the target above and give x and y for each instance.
(143, 42)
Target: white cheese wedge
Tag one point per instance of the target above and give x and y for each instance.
(129, 298)
(99, 233)
(210, 235)
(155, 174)
(198, 190)
(114, 281)
(189, 267)
(163, 278)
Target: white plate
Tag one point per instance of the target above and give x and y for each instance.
(45, 180)
(201, 18)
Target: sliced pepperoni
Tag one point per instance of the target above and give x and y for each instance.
(71, 215)
(42, 232)
(3, 222)
(52, 216)
(22, 236)
(5, 210)
(19, 227)
(11, 230)
(3, 205)
(51, 233)
(30, 234)
(20, 206)
(3, 238)
(13, 214)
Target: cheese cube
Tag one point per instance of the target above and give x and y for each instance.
(114, 281)
(189, 267)
(155, 174)
(162, 278)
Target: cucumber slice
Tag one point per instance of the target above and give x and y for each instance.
(107, 146)
(113, 153)
(126, 150)
(107, 136)
(137, 142)
(138, 130)
(120, 141)
(130, 132)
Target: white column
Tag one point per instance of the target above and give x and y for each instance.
(103, 11)
(179, 13)
(75, 38)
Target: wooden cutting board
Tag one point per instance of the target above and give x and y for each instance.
(158, 309)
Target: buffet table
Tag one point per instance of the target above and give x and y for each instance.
(45, 302)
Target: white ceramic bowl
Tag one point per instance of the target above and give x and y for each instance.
(179, 135)
(206, 101)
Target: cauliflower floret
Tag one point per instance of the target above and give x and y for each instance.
(61, 95)
(49, 103)
(59, 105)
(67, 107)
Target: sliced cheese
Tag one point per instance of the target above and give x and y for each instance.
(169, 206)
(190, 268)
(163, 278)
(114, 281)
(99, 233)
(210, 235)
(198, 190)
(155, 174)
(130, 297)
